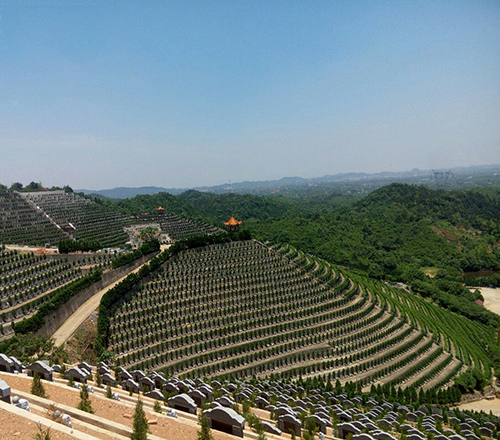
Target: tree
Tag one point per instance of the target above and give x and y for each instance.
(149, 234)
(205, 433)
(157, 407)
(140, 427)
(37, 388)
(85, 404)
(17, 186)
(98, 381)
(34, 186)
(310, 430)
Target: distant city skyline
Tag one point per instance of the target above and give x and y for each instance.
(187, 94)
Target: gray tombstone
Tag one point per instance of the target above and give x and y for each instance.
(4, 391)
(225, 420)
(289, 423)
(183, 402)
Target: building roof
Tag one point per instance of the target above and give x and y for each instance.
(232, 222)
(160, 208)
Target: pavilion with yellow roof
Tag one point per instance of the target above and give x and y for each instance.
(233, 224)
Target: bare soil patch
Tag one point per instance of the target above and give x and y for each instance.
(164, 427)
(445, 233)
(491, 298)
(81, 345)
(483, 405)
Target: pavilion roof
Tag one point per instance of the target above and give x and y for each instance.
(232, 222)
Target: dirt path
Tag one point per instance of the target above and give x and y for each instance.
(417, 376)
(26, 248)
(436, 380)
(393, 361)
(63, 333)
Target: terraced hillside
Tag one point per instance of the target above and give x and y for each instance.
(178, 228)
(90, 220)
(27, 281)
(242, 308)
(21, 224)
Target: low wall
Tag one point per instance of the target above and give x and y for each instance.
(56, 319)
(72, 257)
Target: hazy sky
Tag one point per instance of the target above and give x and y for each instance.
(188, 93)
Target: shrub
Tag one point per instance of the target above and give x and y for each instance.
(37, 388)
(205, 433)
(41, 434)
(85, 404)
(140, 427)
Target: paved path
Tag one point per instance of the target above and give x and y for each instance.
(63, 333)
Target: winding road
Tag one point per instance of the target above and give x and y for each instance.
(64, 332)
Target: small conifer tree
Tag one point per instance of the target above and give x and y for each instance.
(157, 407)
(109, 393)
(98, 381)
(140, 427)
(85, 404)
(37, 388)
(205, 433)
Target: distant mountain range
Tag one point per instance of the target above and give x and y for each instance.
(274, 185)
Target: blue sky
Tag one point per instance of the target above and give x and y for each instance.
(189, 93)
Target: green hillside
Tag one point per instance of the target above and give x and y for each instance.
(400, 228)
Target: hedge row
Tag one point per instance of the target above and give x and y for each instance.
(59, 297)
(145, 249)
(66, 246)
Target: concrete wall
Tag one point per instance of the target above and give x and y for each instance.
(56, 319)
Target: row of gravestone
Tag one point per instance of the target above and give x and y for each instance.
(187, 395)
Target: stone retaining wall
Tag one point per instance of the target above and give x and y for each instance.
(57, 318)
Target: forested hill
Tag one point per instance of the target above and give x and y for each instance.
(390, 233)
(406, 233)
(476, 209)
(399, 229)
(218, 208)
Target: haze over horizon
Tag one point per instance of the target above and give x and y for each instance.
(182, 94)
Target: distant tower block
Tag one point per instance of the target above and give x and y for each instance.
(233, 225)
(160, 210)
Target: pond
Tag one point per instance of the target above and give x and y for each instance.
(480, 273)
